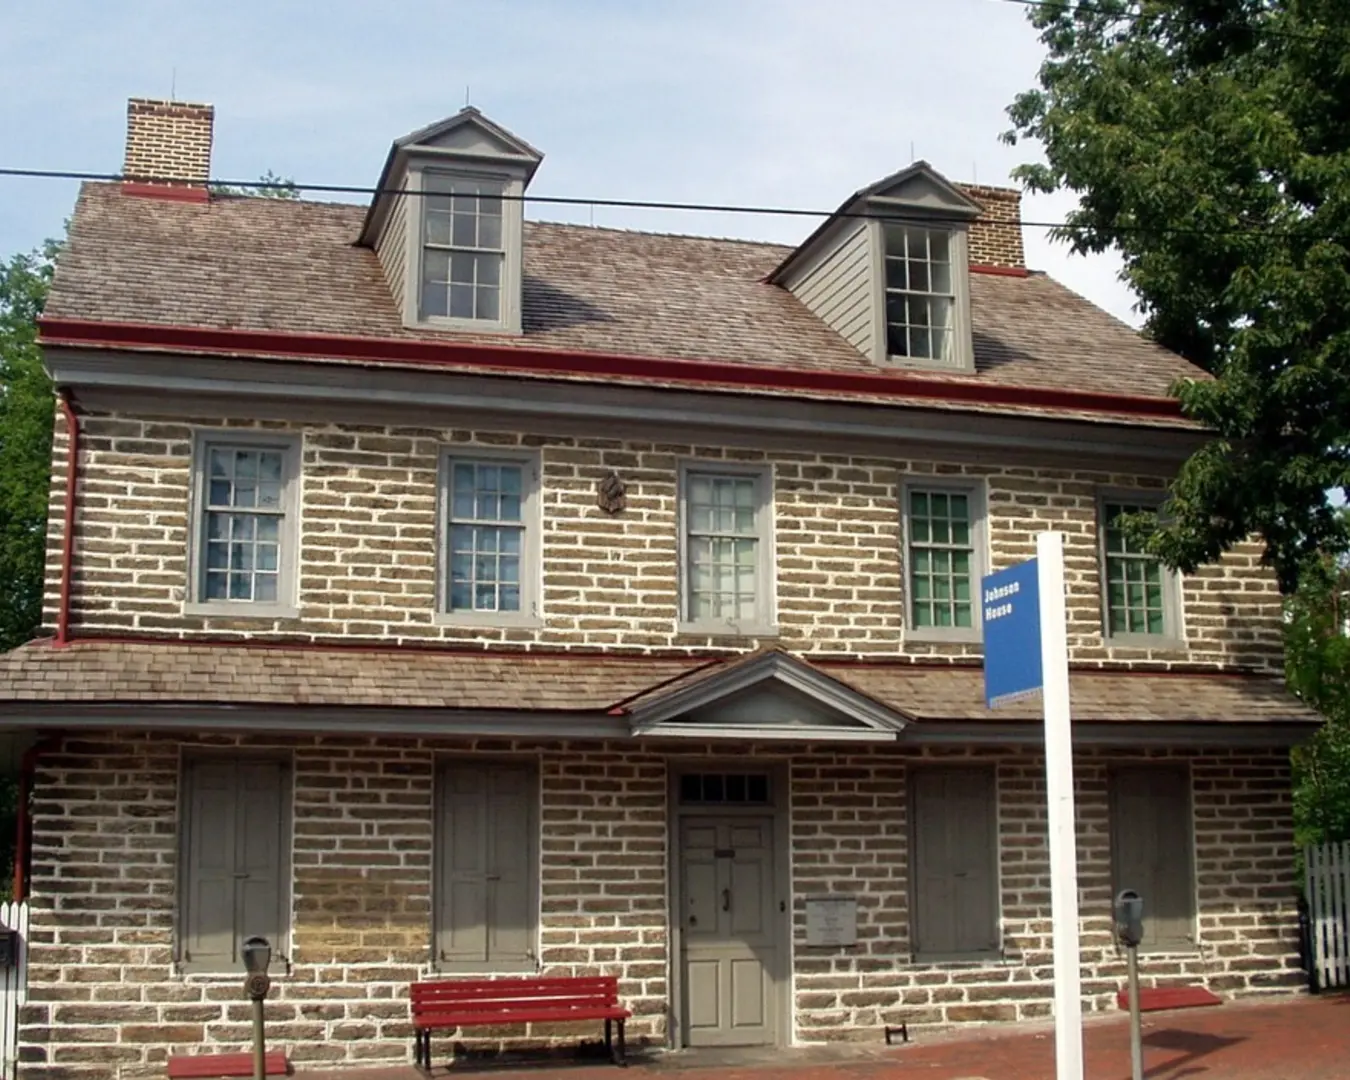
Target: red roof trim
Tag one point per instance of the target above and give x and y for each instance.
(172, 192)
(1002, 271)
(900, 386)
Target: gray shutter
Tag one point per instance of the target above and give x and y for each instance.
(971, 801)
(511, 858)
(952, 862)
(208, 871)
(486, 896)
(1151, 841)
(260, 863)
(462, 894)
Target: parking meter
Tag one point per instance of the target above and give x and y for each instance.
(1129, 918)
(1130, 931)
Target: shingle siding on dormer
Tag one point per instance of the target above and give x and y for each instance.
(838, 288)
(392, 246)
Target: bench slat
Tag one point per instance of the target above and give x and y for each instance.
(518, 1016)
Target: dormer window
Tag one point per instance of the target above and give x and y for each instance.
(462, 249)
(447, 225)
(889, 272)
(920, 298)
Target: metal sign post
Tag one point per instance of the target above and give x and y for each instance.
(1130, 931)
(1026, 651)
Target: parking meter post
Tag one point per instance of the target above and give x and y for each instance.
(1136, 1035)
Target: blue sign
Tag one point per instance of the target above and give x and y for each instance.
(1012, 633)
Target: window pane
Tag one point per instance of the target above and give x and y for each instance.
(490, 232)
(461, 268)
(436, 266)
(489, 269)
(896, 278)
(435, 301)
(1135, 580)
(461, 301)
(488, 305)
(941, 559)
(464, 232)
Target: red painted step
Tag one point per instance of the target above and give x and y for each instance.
(1158, 998)
(211, 1066)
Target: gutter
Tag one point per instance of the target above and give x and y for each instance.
(894, 387)
(68, 528)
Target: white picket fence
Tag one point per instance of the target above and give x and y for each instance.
(13, 987)
(1328, 892)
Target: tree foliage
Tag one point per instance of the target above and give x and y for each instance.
(1317, 661)
(281, 188)
(25, 443)
(1209, 142)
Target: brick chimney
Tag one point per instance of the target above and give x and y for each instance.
(168, 149)
(995, 237)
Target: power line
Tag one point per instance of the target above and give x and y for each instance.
(1139, 16)
(643, 204)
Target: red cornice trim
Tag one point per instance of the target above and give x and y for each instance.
(507, 359)
(172, 192)
(1003, 271)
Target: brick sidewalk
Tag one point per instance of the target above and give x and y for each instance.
(1292, 1039)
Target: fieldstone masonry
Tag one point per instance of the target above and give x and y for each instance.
(105, 999)
(368, 547)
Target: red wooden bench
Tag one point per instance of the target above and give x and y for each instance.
(461, 1003)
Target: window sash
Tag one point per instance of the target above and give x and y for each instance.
(920, 293)
(487, 536)
(1135, 583)
(724, 547)
(243, 544)
(941, 566)
(463, 249)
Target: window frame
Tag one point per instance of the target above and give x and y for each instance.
(188, 760)
(288, 562)
(917, 954)
(765, 623)
(963, 354)
(509, 317)
(534, 889)
(531, 544)
(1173, 635)
(974, 490)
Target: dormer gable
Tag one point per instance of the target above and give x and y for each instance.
(447, 223)
(889, 270)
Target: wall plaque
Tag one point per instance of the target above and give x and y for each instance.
(832, 920)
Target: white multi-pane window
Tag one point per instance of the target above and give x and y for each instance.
(942, 560)
(246, 526)
(489, 536)
(1139, 591)
(920, 293)
(726, 549)
(463, 254)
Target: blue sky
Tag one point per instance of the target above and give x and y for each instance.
(750, 102)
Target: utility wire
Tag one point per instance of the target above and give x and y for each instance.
(646, 204)
(1139, 16)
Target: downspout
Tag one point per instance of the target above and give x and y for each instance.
(68, 529)
(27, 767)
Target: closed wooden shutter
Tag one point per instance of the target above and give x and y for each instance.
(1151, 850)
(953, 862)
(235, 865)
(487, 899)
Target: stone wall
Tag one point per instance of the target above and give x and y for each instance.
(368, 558)
(106, 1000)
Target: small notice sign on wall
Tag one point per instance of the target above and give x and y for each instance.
(832, 920)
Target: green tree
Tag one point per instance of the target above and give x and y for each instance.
(1318, 669)
(1209, 142)
(25, 443)
(284, 188)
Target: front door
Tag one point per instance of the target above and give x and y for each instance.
(730, 946)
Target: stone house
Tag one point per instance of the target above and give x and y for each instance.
(435, 591)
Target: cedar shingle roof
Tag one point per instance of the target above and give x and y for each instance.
(110, 672)
(277, 265)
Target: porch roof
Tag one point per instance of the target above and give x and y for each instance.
(39, 676)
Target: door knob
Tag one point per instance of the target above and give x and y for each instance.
(726, 899)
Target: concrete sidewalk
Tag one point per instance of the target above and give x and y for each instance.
(1293, 1039)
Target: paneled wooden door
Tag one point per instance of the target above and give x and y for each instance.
(730, 941)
